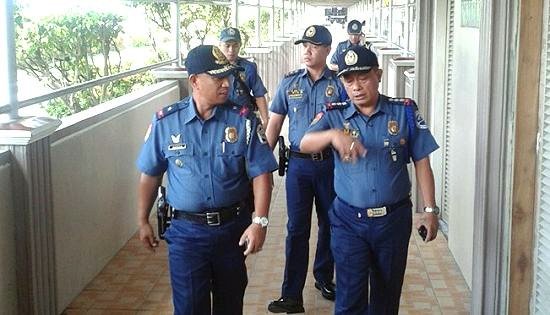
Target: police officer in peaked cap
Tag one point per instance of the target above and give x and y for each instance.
(355, 35)
(209, 148)
(300, 96)
(374, 137)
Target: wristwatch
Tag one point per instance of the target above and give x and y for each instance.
(262, 221)
(435, 210)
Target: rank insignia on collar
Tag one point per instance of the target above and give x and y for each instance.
(231, 135)
(393, 127)
(329, 91)
(176, 138)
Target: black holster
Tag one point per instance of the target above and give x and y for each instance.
(283, 156)
(164, 212)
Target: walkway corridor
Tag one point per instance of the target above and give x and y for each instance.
(136, 281)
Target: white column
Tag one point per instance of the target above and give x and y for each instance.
(8, 80)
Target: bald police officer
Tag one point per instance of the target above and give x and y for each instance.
(355, 35)
(230, 45)
(300, 95)
(371, 219)
(210, 149)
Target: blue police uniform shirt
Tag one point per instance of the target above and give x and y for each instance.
(392, 138)
(302, 99)
(252, 79)
(342, 46)
(209, 163)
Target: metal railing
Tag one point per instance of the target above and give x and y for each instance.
(85, 85)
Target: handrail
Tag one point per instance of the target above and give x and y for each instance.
(81, 86)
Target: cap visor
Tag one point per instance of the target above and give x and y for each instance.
(354, 69)
(309, 41)
(230, 39)
(225, 71)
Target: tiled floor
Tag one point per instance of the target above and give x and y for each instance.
(136, 281)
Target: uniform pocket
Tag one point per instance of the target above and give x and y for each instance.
(229, 162)
(181, 160)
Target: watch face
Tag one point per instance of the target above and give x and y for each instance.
(264, 221)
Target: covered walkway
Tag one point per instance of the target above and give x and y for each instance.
(137, 282)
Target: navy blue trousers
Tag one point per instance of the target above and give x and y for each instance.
(307, 181)
(369, 251)
(207, 267)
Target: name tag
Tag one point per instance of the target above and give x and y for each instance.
(177, 146)
(376, 212)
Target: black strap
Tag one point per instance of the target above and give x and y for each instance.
(319, 156)
(401, 203)
(212, 217)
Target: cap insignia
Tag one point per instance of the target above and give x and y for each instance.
(354, 27)
(310, 32)
(219, 56)
(351, 58)
(231, 32)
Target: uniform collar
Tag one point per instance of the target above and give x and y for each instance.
(381, 106)
(190, 112)
(327, 73)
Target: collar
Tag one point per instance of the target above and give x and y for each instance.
(190, 112)
(381, 106)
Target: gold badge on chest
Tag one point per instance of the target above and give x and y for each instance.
(393, 127)
(231, 135)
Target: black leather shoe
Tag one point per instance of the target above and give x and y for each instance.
(286, 305)
(328, 290)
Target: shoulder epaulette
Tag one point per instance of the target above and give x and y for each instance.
(337, 105)
(403, 102)
(170, 109)
(294, 72)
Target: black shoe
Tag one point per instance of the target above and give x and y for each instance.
(328, 290)
(286, 305)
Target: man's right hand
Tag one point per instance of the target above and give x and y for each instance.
(147, 237)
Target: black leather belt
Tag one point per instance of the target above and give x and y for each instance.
(319, 156)
(211, 217)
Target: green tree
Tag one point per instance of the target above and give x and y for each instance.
(65, 50)
(196, 21)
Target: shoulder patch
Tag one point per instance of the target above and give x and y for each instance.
(294, 72)
(337, 105)
(170, 109)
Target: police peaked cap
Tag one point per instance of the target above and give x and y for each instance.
(356, 58)
(211, 60)
(317, 35)
(354, 27)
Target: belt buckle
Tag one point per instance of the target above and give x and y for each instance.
(213, 218)
(376, 212)
(318, 156)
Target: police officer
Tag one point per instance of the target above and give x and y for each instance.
(230, 44)
(300, 95)
(355, 36)
(209, 148)
(371, 219)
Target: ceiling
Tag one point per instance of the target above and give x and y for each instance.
(332, 3)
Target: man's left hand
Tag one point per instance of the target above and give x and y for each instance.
(431, 222)
(253, 237)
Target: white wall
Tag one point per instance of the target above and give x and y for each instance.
(8, 285)
(94, 181)
(462, 140)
